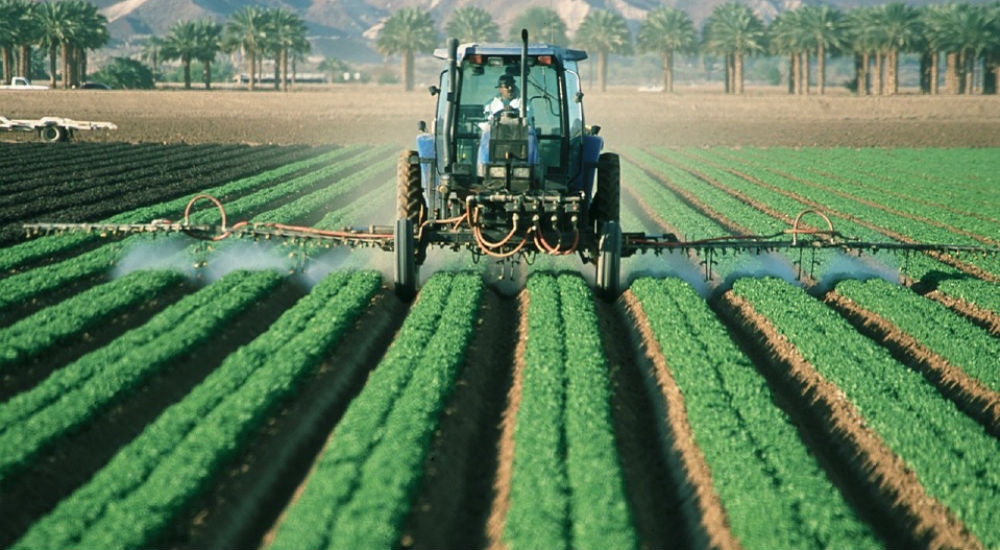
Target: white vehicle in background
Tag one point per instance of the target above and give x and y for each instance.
(21, 83)
(53, 129)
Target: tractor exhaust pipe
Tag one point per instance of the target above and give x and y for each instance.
(449, 132)
(524, 76)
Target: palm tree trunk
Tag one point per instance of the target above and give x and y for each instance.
(668, 71)
(83, 64)
(253, 67)
(865, 75)
(793, 70)
(52, 66)
(821, 68)
(408, 70)
(187, 73)
(934, 72)
(951, 73)
(738, 72)
(602, 68)
(65, 64)
(5, 58)
(970, 73)
(991, 76)
(277, 70)
(730, 80)
(26, 60)
(877, 74)
(925, 72)
(284, 69)
(805, 72)
(206, 73)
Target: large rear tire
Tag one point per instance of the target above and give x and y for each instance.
(606, 205)
(406, 271)
(609, 261)
(410, 202)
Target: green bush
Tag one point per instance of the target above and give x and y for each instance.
(124, 73)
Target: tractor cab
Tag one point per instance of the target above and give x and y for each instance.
(493, 142)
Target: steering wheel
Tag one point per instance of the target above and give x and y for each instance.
(506, 112)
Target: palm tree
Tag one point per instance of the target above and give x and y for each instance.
(151, 53)
(54, 27)
(18, 31)
(182, 42)
(245, 30)
(543, 24)
(408, 31)
(901, 28)
(787, 36)
(864, 37)
(91, 33)
(285, 32)
(824, 27)
(9, 18)
(472, 24)
(733, 30)
(667, 31)
(209, 44)
(604, 32)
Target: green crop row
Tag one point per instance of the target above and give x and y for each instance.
(34, 335)
(749, 444)
(913, 229)
(845, 178)
(76, 393)
(29, 284)
(567, 487)
(151, 480)
(983, 294)
(22, 253)
(955, 460)
(963, 344)
(362, 486)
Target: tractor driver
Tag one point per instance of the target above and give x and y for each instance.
(508, 96)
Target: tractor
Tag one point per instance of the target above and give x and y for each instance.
(514, 181)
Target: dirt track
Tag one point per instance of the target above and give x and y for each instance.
(379, 114)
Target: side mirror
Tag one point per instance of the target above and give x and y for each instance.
(579, 97)
(422, 127)
(594, 130)
(434, 90)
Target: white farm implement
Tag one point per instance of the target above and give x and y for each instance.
(53, 129)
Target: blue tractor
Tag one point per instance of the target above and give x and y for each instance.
(512, 178)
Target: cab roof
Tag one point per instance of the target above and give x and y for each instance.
(560, 53)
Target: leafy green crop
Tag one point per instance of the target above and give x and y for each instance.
(955, 460)
(749, 444)
(151, 480)
(363, 484)
(567, 488)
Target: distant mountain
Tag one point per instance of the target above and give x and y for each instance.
(347, 28)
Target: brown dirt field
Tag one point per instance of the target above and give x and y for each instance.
(381, 114)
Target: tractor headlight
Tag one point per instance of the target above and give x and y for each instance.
(497, 172)
(522, 172)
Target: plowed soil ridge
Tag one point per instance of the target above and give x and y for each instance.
(703, 511)
(891, 485)
(971, 395)
(251, 493)
(456, 495)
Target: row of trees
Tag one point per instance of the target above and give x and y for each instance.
(874, 36)
(65, 29)
(253, 31)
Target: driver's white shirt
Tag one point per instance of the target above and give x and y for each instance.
(496, 105)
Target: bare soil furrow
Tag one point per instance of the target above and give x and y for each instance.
(654, 497)
(971, 395)
(890, 485)
(251, 494)
(454, 503)
(497, 519)
(703, 511)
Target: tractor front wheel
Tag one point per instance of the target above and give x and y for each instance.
(609, 260)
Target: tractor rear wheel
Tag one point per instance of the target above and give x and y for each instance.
(609, 260)
(409, 191)
(606, 204)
